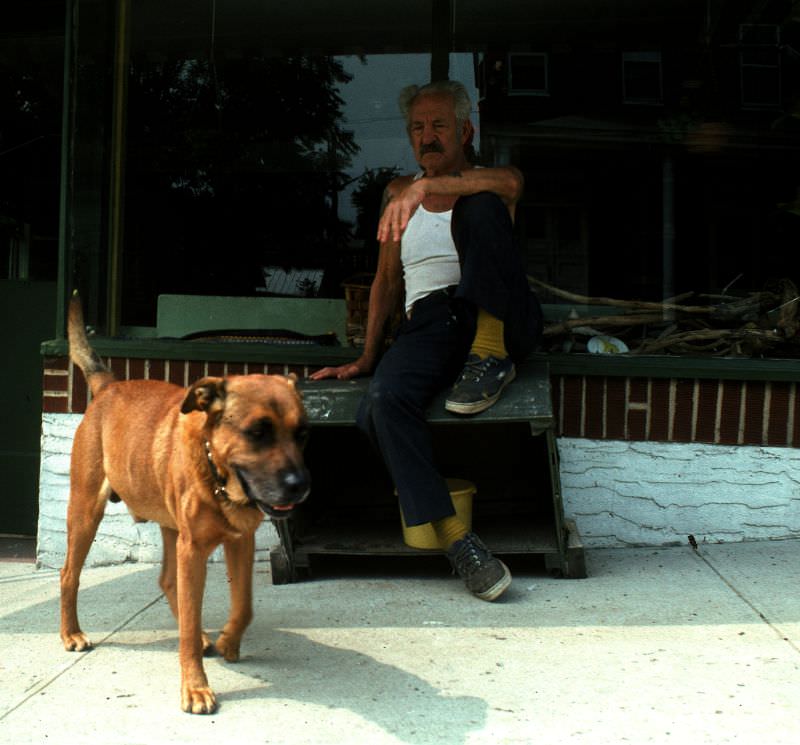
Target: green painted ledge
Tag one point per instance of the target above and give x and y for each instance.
(668, 366)
(174, 349)
(179, 315)
(654, 366)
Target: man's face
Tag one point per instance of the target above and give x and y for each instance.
(437, 140)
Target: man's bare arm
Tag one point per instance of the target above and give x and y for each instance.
(384, 295)
(506, 181)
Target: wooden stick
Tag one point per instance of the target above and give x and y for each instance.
(632, 304)
(706, 336)
(632, 319)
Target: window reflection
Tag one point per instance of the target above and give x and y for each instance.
(260, 174)
(659, 143)
(30, 141)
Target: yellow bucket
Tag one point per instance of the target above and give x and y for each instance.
(424, 536)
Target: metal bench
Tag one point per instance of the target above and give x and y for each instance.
(508, 451)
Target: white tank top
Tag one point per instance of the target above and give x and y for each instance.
(428, 255)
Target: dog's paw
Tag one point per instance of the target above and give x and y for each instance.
(198, 700)
(228, 647)
(209, 650)
(76, 642)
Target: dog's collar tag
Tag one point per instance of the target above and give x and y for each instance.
(220, 492)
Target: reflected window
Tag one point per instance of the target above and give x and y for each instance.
(641, 77)
(527, 74)
(760, 65)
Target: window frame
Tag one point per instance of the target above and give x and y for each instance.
(512, 91)
(748, 30)
(654, 57)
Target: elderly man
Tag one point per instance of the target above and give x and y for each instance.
(446, 247)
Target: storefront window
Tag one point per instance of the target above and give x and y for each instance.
(258, 140)
(31, 84)
(256, 163)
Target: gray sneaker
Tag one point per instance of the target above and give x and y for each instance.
(484, 575)
(480, 384)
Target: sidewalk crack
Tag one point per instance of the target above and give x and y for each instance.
(750, 604)
(37, 688)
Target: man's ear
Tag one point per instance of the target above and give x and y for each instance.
(468, 133)
(206, 394)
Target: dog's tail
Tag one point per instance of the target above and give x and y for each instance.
(97, 375)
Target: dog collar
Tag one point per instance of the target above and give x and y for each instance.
(220, 490)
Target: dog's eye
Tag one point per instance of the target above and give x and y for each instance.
(261, 431)
(301, 434)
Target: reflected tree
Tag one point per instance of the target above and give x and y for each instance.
(367, 198)
(30, 138)
(231, 166)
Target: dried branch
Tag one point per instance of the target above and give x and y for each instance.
(763, 321)
(633, 319)
(788, 323)
(639, 305)
(708, 335)
(747, 308)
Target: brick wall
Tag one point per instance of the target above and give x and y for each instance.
(64, 389)
(720, 412)
(643, 461)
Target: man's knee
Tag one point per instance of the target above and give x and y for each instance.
(480, 207)
(376, 406)
(478, 220)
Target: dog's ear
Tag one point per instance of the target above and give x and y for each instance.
(291, 381)
(205, 394)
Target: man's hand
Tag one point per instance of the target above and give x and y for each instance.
(398, 211)
(440, 192)
(343, 372)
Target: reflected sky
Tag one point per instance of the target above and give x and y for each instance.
(371, 110)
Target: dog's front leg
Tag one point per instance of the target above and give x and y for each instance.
(196, 695)
(168, 580)
(239, 556)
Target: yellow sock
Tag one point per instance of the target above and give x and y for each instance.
(449, 530)
(489, 337)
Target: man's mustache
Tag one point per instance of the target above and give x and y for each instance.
(431, 147)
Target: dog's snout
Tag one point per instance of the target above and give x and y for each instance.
(296, 483)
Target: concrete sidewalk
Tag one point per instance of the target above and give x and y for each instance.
(656, 646)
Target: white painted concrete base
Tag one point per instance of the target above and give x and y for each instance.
(618, 493)
(655, 494)
(119, 539)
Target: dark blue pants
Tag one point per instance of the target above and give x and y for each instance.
(431, 347)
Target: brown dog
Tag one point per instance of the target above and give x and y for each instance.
(206, 463)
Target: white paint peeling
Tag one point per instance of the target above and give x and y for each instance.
(644, 493)
(619, 493)
(118, 539)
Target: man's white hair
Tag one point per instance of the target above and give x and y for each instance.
(461, 100)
